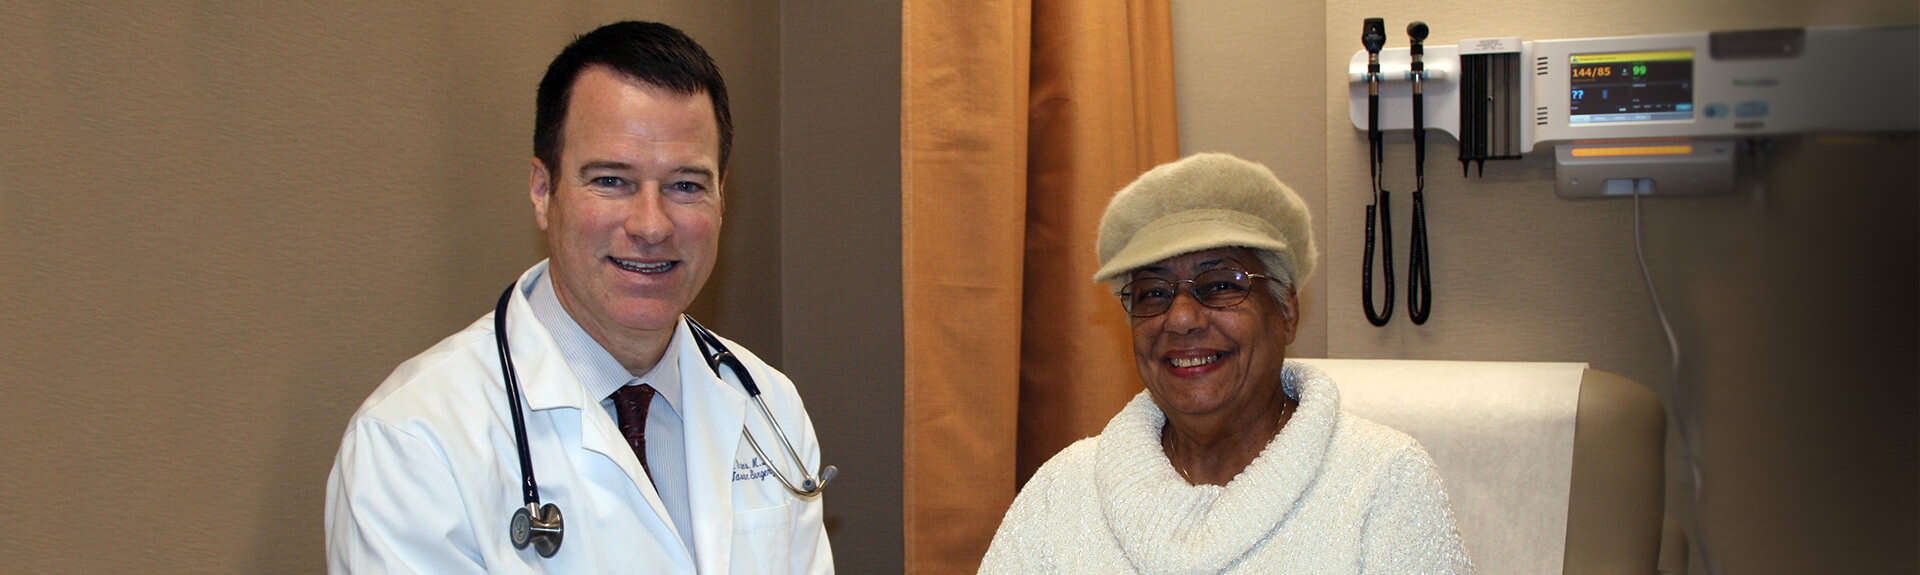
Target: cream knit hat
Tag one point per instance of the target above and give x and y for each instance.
(1201, 202)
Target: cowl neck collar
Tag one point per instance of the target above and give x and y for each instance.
(1165, 525)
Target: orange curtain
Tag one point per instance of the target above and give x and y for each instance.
(1019, 120)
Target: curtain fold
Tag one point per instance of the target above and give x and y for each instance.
(963, 135)
(1019, 120)
(1101, 113)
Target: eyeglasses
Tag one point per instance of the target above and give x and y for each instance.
(1218, 288)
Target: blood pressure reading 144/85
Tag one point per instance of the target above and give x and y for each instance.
(1641, 86)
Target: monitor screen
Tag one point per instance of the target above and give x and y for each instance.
(1645, 86)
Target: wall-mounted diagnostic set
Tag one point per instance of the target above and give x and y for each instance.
(1663, 112)
(1625, 116)
(1373, 37)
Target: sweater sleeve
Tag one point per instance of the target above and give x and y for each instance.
(1016, 546)
(1409, 526)
(1021, 545)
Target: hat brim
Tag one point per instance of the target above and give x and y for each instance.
(1191, 231)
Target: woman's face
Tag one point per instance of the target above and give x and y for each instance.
(1202, 361)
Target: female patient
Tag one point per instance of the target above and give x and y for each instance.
(1233, 460)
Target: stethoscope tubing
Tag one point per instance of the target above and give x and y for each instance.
(716, 354)
(530, 489)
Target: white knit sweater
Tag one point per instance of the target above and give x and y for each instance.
(1332, 493)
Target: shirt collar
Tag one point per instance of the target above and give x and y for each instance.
(595, 367)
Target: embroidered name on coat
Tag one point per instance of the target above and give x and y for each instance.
(750, 470)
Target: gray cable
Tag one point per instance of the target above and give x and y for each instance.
(1680, 400)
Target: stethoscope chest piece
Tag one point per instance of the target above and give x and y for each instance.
(543, 532)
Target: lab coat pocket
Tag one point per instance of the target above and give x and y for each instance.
(762, 539)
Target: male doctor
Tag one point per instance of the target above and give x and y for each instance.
(630, 434)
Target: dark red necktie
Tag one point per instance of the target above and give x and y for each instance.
(631, 403)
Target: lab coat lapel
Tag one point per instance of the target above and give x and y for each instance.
(716, 410)
(548, 383)
(599, 434)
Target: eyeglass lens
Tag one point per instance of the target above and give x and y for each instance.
(1148, 297)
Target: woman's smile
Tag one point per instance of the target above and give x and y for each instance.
(1194, 363)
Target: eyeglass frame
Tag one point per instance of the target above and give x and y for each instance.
(1192, 291)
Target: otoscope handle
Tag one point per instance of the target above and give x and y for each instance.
(1373, 119)
(1417, 36)
(1419, 137)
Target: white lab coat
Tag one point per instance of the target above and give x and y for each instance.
(427, 476)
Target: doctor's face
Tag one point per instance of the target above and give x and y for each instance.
(632, 213)
(1212, 362)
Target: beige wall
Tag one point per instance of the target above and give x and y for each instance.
(1793, 305)
(224, 223)
(840, 252)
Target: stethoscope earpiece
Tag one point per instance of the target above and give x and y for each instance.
(826, 475)
(543, 532)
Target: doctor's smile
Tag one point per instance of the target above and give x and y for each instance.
(644, 267)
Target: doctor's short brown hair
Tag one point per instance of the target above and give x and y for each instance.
(653, 53)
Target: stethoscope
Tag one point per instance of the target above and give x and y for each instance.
(542, 525)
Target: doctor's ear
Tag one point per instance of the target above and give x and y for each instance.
(540, 190)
